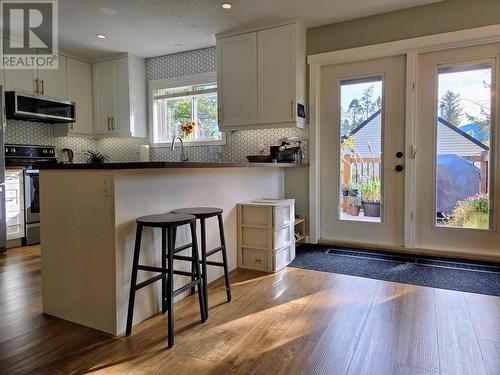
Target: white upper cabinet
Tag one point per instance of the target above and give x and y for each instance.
(119, 97)
(262, 84)
(50, 82)
(237, 80)
(79, 83)
(24, 80)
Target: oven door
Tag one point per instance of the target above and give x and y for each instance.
(32, 195)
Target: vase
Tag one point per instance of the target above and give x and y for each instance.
(371, 209)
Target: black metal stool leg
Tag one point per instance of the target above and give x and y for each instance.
(204, 263)
(196, 262)
(133, 279)
(170, 288)
(164, 265)
(224, 257)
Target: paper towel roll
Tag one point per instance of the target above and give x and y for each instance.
(144, 153)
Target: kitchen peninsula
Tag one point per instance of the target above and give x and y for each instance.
(88, 215)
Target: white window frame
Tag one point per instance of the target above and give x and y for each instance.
(167, 83)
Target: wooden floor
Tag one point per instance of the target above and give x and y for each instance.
(296, 321)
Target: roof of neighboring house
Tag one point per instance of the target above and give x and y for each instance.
(462, 133)
(441, 120)
(476, 131)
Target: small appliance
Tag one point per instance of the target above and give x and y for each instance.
(39, 108)
(30, 157)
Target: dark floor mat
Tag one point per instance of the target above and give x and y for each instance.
(474, 277)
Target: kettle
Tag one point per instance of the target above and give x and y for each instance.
(67, 156)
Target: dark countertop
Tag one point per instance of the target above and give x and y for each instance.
(166, 164)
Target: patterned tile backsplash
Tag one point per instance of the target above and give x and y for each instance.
(239, 144)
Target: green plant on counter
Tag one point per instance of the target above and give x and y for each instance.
(96, 157)
(472, 212)
(370, 190)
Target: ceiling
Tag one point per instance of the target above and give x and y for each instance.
(157, 27)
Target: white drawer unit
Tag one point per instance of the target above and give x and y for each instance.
(266, 234)
(14, 203)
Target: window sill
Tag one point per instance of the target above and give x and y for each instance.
(222, 142)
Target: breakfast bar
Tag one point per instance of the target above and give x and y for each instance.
(88, 215)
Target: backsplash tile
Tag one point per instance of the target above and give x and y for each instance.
(239, 144)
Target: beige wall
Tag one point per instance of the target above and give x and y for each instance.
(449, 15)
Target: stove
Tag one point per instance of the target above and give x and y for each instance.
(29, 157)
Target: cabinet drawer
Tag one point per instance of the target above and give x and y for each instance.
(283, 257)
(283, 215)
(283, 236)
(255, 215)
(266, 239)
(255, 259)
(255, 237)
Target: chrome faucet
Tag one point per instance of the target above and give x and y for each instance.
(184, 156)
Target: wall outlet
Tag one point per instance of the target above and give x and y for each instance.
(106, 186)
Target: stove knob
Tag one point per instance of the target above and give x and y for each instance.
(51, 152)
(6, 150)
(12, 150)
(44, 151)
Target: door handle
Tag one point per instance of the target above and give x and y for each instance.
(399, 168)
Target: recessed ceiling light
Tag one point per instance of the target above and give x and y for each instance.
(227, 5)
(100, 36)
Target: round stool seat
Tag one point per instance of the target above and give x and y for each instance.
(199, 212)
(166, 219)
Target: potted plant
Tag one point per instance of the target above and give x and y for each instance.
(354, 206)
(95, 157)
(370, 197)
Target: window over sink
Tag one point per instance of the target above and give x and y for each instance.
(186, 107)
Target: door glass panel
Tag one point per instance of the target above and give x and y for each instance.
(463, 141)
(361, 107)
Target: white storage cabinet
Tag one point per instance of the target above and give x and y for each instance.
(266, 234)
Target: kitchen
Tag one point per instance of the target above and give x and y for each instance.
(249, 187)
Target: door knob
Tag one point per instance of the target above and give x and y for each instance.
(399, 168)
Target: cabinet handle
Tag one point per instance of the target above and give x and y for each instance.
(109, 123)
(36, 86)
(71, 125)
(292, 108)
(221, 116)
(258, 260)
(112, 123)
(42, 86)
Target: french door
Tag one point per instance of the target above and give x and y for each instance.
(362, 151)
(458, 187)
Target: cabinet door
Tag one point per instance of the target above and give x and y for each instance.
(237, 80)
(276, 69)
(121, 116)
(102, 80)
(21, 80)
(80, 91)
(53, 81)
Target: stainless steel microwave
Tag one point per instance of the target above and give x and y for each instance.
(40, 108)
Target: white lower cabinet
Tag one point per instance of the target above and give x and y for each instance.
(266, 234)
(14, 203)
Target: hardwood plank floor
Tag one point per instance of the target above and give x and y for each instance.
(293, 322)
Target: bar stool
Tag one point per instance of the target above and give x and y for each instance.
(203, 213)
(168, 223)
